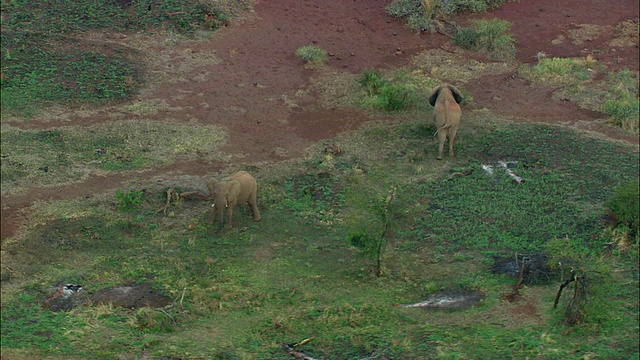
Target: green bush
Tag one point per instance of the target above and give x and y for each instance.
(489, 37)
(624, 205)
(311, 54)
(389, 95)
(129, 200)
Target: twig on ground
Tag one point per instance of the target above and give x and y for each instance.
(459, 173)
(290, 349)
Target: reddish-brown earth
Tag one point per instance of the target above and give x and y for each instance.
(244, 92)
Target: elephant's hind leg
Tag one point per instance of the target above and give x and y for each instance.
(452, 136)
(442, 138)
(254, 207)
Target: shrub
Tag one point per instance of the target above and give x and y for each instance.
(311, 54)
(624, 205)
(489, 37)
(129, 200)
(389, 95)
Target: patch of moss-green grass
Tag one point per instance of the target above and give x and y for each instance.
(68, 154)
(243, 292)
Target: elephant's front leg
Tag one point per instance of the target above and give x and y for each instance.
(229, 223)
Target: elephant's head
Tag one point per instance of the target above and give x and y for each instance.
(224, 194)
(447, 90)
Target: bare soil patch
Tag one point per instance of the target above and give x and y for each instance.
(247, 78)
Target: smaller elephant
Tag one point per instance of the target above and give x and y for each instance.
(447, 113)
(237, 188)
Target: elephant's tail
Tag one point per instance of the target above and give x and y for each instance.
(445, 126)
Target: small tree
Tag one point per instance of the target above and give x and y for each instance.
(369, 218)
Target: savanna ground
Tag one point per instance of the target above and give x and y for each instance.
(84, 189)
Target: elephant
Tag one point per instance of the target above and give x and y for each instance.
(446, 99)
(237, 188)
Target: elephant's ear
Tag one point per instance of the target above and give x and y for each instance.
(434, 95)
(211, 185)
(456, 93)
(233, 187)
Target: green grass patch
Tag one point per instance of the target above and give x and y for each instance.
(54, 157)
(72, 16)
(490, 37)
(40, 69)
(622, 102)
(43, 63)
(27, 325)
(243, 292)
(615, 93)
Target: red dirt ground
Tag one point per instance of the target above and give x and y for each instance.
(259, 65)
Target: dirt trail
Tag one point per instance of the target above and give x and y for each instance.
(259, 89)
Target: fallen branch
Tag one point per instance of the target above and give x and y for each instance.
(194, 193)
(173, 195)
(290, 350)
(457, 174)
(448, 50)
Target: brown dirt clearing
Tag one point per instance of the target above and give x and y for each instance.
(247, 78)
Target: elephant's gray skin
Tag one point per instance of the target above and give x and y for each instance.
(447, 113)
(237, 188)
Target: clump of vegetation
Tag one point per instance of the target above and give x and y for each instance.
(386, 94)
(561, 71)
(41, 65)
(624, 205)
(423, 15)
(39, 69)
(69, 16)
(312, 54)
(490, 37)
(129, 201)
(54, 157)
(622, 102)
(615, 94)
(370, 222)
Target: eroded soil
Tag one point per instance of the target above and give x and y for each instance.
(249, 80)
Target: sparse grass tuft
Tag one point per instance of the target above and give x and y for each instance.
(624, 205)
(490, 37)
(312, 54)
(622, 102)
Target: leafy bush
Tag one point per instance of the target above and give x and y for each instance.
(311, 54)
(389, 95)
(129, 200)
(488, 36)
(624, 204)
